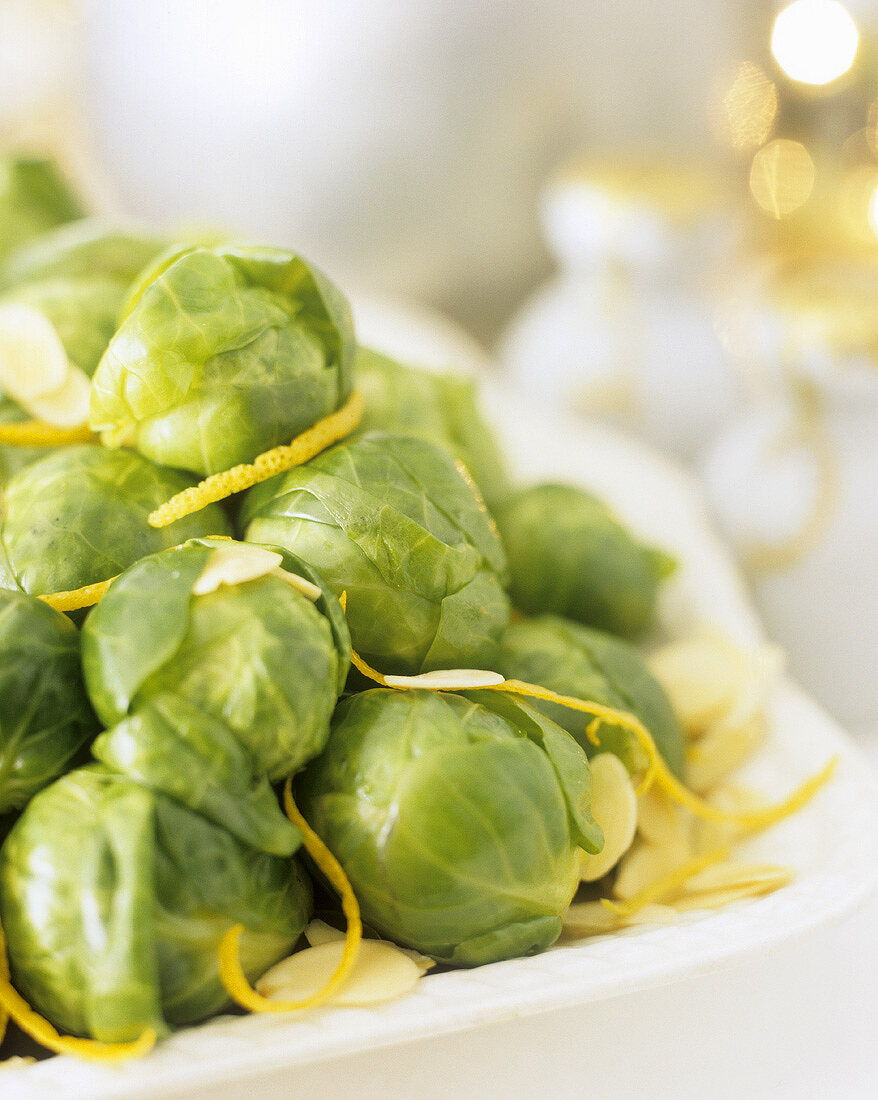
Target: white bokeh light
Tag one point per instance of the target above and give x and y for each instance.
(814, 41)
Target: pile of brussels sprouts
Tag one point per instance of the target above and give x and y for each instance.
(143, 742)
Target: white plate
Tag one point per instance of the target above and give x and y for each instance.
(832, 844)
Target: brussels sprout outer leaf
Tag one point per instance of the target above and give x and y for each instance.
(172, 747)
(390, 521)
(569, 556)
(45, 717)
(449, 823)
(511, 941)
(33, 198)
(565, 755)
(56, 534)
(77, 903)
(230, 351)
(589, 664)
(206, 881)
(124, 641)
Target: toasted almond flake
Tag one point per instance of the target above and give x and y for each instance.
(381, 973)
(703, 677)
(448, 679)
(645, 864)
(722, 749)
(614, 808)
(302, 585)
(318, 932)
(661, 821)
(236, 564)
(589, 918)
(66, 407)
(736, 876)
(718, 898)
(33, 361)
(16, 1062)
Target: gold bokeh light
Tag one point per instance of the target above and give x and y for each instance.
(814, 41)
(782, 177)
(749, 107)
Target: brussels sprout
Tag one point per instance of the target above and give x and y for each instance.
(569, 556)
(12, 459)
(79, 515)
(588, 664)
(45, 717)
(439, 408)
(33, 198)
(114, 900)
(254, 664)
(458, 826)
(91, 248)
(390, 521)
(228, 352)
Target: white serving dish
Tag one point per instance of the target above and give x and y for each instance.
(832, 844)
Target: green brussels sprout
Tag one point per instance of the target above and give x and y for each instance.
(228, 352)
(82, 311)
(33, 198)
(439, 408)
(91, 248)
(253, 665)
(79, 515)
(114, 900)
(569, 556)
(45, 716)
(457, 825)
(588, 664)
(391, 522)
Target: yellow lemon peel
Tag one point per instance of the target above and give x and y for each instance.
(664, 885)
(230, 970)
(16, 1007)
(78, 598)
(657, 771)
(218, 486)
(34, 433)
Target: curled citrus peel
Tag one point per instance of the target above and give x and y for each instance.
(35, 433)
(78, 598)
(217, 487)
(230, 971)
(13, 1005)
(663, 886)
(657, 771)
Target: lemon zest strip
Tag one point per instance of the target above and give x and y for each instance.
(218, 486)
(35, 433)
(664, 885)
(12, 1003)
(77, 598)
(657, 771)
(230, 970)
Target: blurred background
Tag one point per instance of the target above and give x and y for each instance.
(661, 215)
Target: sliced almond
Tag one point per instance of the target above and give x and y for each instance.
(318, 932)
(716, 899)
(762, 877)
(661, 821)
(644, 865)
(614, 808)
(235, 564)
(703, 676)
(590, 918)
(651, 914)
(722, 749)
(66, 407)
(448, 679)
(382, 973)
(733, 799)
(33, 361)
(302, 585)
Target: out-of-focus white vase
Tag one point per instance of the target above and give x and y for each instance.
(794, 482)
(625, 331)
